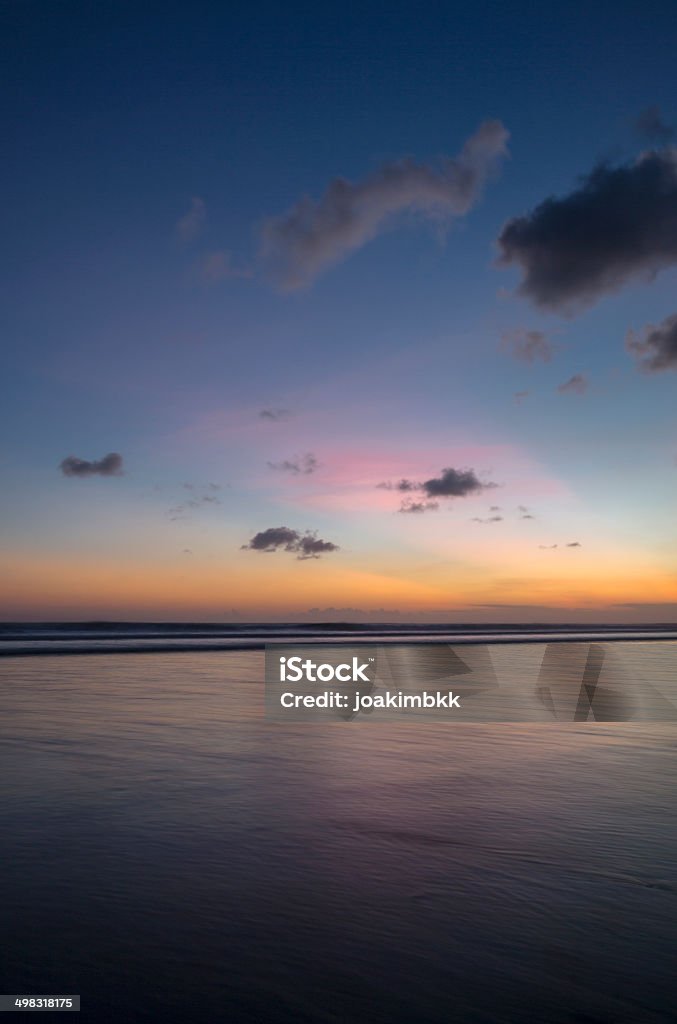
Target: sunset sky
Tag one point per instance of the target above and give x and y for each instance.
(312, 312)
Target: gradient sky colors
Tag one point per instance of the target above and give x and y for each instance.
(281, 259)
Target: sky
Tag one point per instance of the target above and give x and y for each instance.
(313, 313)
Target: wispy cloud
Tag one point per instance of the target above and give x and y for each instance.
(303, 545)
(191, 224)
(275, 415)
(527, 346)
(409, 505)
(299, 465)
(314, 235)
(200, 497)
(576, 385)
(520, 396)
(400, 485)
(218, 266)
(109, 465)
(620, 224)
(551, 547)
(656, 346)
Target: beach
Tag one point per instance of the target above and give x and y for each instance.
(169, 855)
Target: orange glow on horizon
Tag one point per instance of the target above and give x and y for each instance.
(276, 585)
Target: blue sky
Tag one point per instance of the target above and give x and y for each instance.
(128, 332)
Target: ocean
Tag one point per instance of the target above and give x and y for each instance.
(170, 855)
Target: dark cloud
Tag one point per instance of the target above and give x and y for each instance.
(494, 508)
(416, 507)
(451, 483)
(314, 235)
(303, 464)
(109, 465)
(275, 415)
(191, 224)
(620, 224)
(574, 544)
(310, 546)
(650, 126)
(304, 546)
(489, 519)
(576, 385)
(454, 483)
(547, 547)
(528, 346)
(655, 347)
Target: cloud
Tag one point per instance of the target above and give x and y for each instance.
(401, 485)
(305, 546)
(314, 235)
(576, 385)
(210, 486)
(109, 465)
(451, 483)
(454, 483)
(304, 464)
(650, 125)
(416, 507)
(275, 415)
(620, 224)
(519, 396)
(493, 517)
(218, 266)
(550, 547)
(191, 224)
(528, 346)
(196, 501)
(656, 347)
